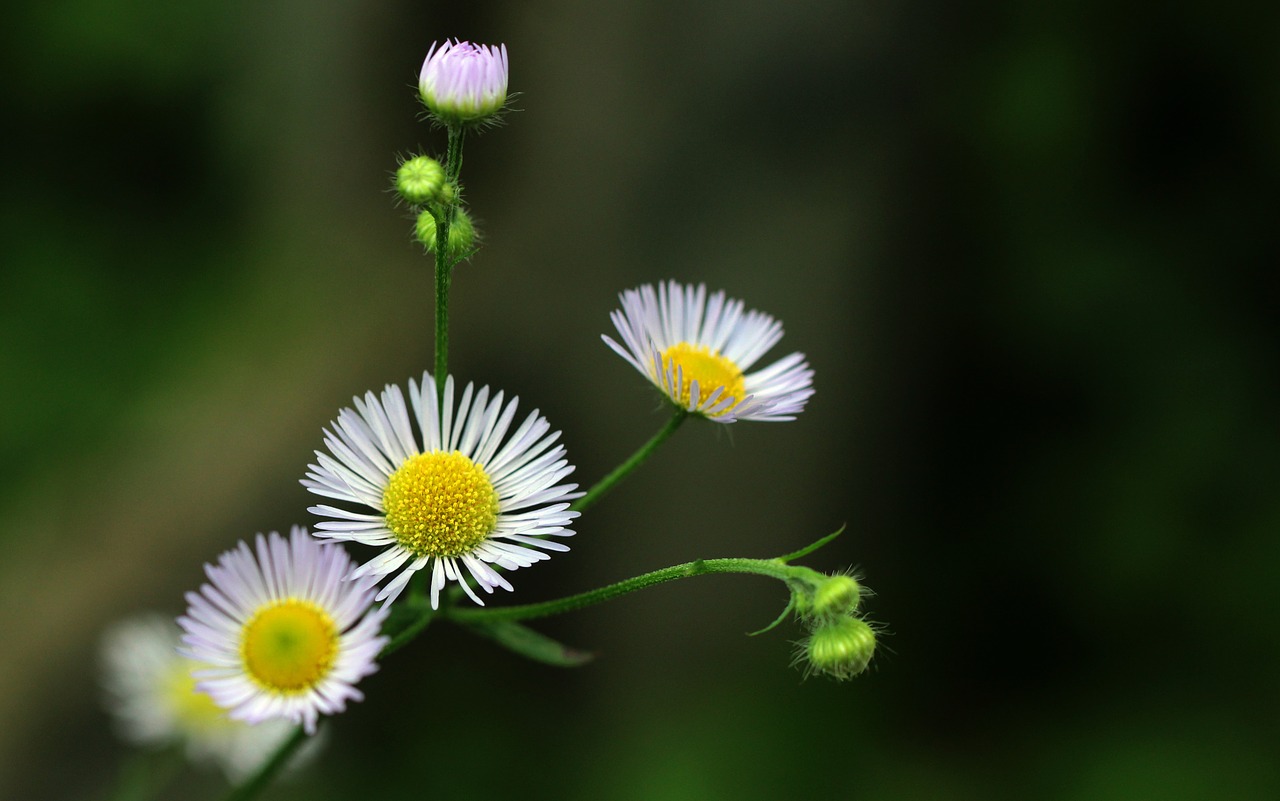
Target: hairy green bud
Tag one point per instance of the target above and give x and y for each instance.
(837, 596)
(840, 648)
(420, 181)
(461, 233)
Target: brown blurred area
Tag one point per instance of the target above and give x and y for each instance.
(1030, 253)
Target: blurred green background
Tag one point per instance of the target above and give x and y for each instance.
(1031, 253)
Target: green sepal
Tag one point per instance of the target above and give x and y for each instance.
(808, 549)
(791, 603)
(530, 644)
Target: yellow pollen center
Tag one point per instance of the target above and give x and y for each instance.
(290, 646)
(195, 709)
(440, 504)
(711, 370)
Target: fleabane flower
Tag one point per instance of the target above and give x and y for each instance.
(464, 83)
(151, 693)
(697, 350)
(283, 634)
(458, 498)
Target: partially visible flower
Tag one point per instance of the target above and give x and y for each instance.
(463, 82)
(697, 351)
(456, 499)
(152, 695)
(283, 634)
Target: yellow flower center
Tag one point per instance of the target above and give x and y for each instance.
(290, 646)
(706, 366)
(194, 709)
(440, 504)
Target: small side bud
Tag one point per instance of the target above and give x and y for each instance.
(461, 233)
(839, 595)
(420, 180)
(840, 648)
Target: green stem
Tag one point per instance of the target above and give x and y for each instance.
(444, 258)
(638, 458)
(258, 781)
(406, 635)
(701, 567)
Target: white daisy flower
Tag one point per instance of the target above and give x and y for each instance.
(457, 500)
(697, 350)
(152, 695)
(283, 634)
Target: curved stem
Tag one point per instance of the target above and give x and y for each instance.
(638, 458)
(701, 567)
(258, 781)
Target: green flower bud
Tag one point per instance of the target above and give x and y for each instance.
(841, 648)
(461, 233)
(837, 596)
(420, 180)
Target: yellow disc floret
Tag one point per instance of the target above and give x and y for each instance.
(706, 366)
(440, 504)
(289, 646)
(195, 709)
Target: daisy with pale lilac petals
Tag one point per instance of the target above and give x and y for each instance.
(282, 632)
(698, 349)
(458, 498)
(151, 693)
(463, 82)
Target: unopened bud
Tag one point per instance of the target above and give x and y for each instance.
(461, 233)
(837, 596)
(420, 180)
(841, 648)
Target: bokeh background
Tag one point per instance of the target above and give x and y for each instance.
(1031, 253)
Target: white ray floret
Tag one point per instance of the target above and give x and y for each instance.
(282, 633)
(698, 349)
(452, 489)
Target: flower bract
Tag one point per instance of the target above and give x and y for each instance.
(151, 692)
(459, 497)
(698, 349)
(283, 634)
(463, 82)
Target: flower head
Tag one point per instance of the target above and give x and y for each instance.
(284, 635)
(152, 694)
(697, 350)
(464, 83)
(459, 495)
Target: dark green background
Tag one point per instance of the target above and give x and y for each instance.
(1030, 253)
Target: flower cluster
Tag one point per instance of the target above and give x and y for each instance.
(453, 490)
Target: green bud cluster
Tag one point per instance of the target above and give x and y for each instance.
(840, 644)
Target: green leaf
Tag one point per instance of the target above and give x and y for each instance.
(808, 549)
(531, 644)
(791, 604)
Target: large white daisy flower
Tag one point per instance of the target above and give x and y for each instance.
(697, 350)
(284, 635)
(151, 693)
(456, 500)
